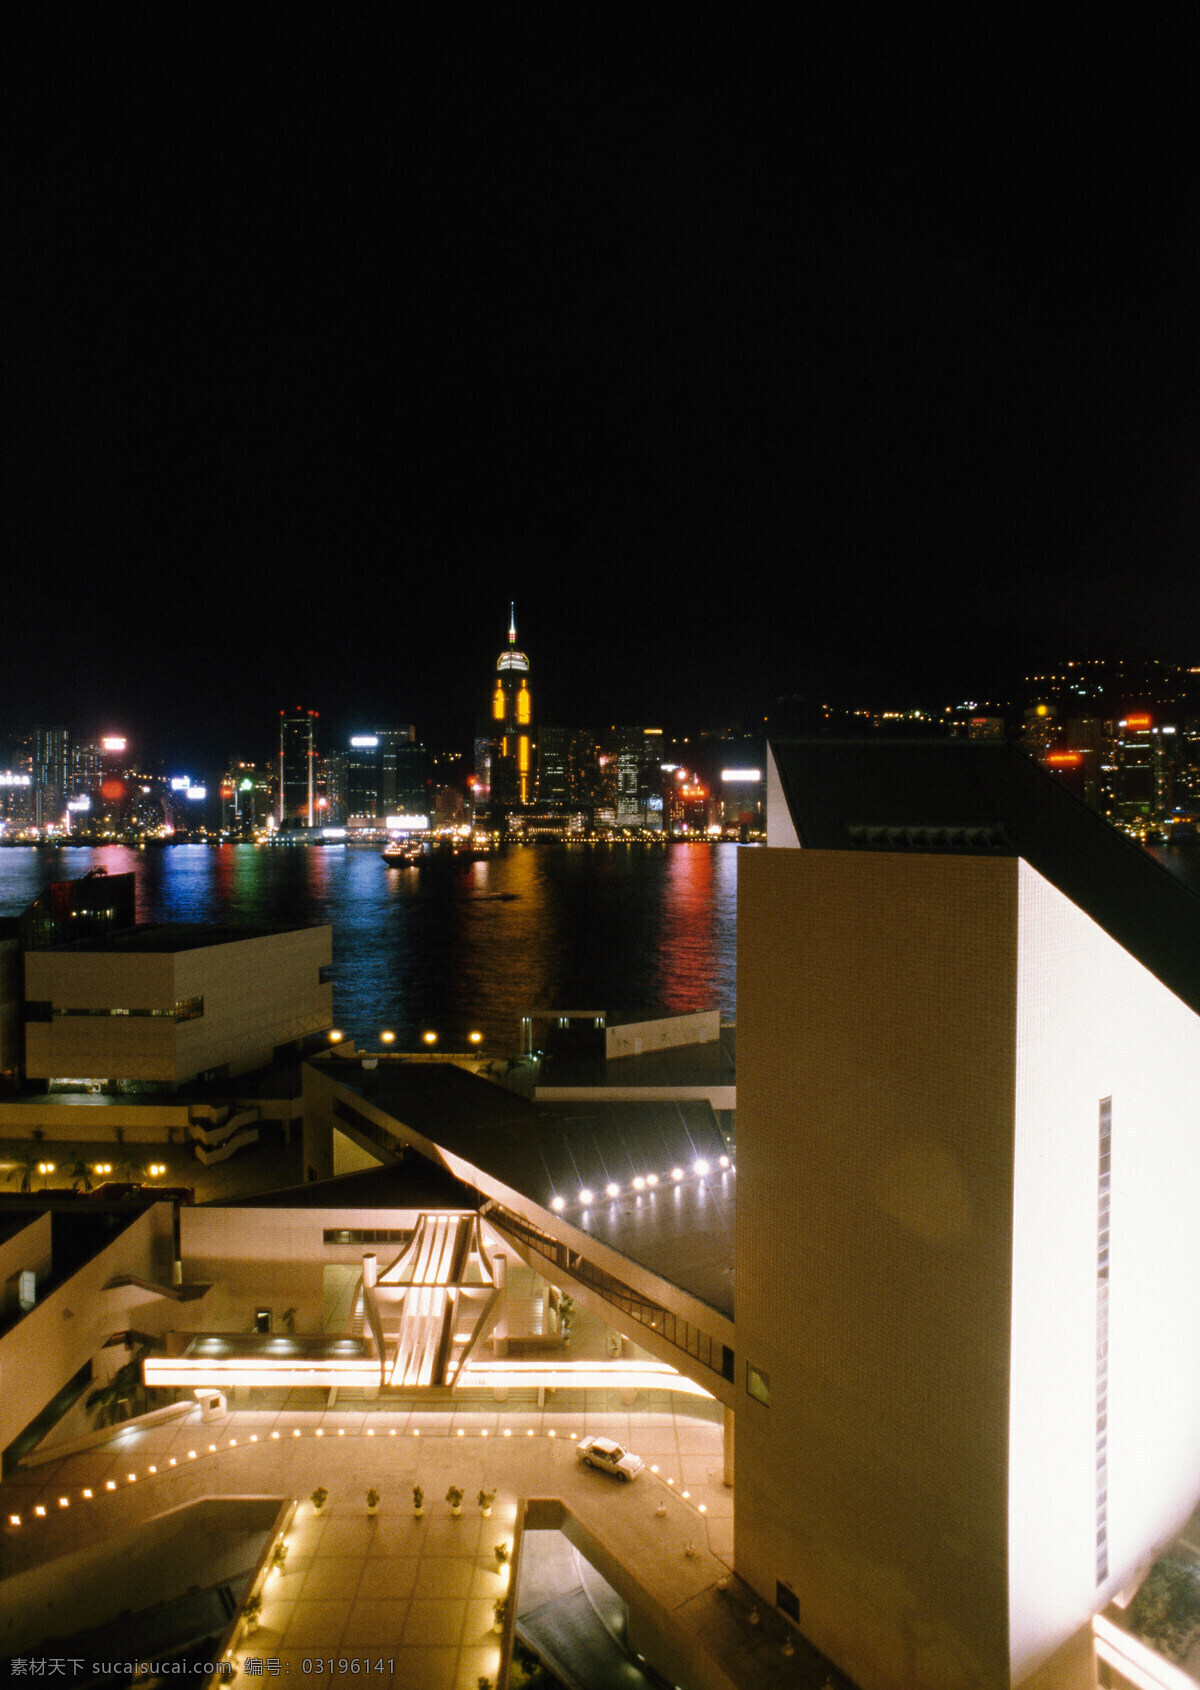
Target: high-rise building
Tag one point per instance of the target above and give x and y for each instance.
(362, 777)
(969, 1065)
(392, 744)
(511, 775)
(297, 771)
(412, 789)
(49, 771)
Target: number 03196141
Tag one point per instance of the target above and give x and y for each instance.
(338, 1664)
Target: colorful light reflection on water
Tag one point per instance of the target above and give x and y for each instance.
(626, 929)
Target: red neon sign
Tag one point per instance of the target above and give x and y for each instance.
(1064, 759)
(1137, 723)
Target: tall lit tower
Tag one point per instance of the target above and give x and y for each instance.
(512, 738)
(297, 766)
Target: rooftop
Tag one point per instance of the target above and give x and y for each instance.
(989, 799)
(681, 1229)
(169, 937)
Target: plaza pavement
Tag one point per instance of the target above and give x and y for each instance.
(418, 1595)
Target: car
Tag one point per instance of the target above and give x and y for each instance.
(608, 1457)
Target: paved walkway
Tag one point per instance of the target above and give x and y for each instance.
(416, 1595)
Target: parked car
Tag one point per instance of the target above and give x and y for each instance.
(608, 1457)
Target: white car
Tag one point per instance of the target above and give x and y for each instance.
(608, 1457)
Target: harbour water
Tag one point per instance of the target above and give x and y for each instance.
(631, 929)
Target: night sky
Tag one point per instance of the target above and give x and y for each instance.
(856, 361)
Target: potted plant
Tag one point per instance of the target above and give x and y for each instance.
(373, 1501)
(418, 1501)
(319, 1498)
(279, 1559)
(486, 1498)
(251, 1612)
(454, 1497)
(565, 1305)
(499, 1610)
(501, 1553)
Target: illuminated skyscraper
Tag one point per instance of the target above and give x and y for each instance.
(50, 773)
(297, 755)
(512, 747)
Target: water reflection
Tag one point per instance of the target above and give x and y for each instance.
(632, 929)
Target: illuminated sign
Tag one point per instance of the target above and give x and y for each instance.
(113, 744)
(246, 786)
(1064, 759)
(741, 776)
(77, 804)
(197, 792)
(16, 780)
(333, 833)
(365, 741)
(1137, 724)
(410, 824)
(180, 783)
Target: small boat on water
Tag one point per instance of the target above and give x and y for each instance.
(402, 856)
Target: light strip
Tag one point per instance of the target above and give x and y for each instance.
(217, 1373)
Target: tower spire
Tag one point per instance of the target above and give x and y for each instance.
(512, 622)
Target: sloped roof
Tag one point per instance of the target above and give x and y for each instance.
(990, 799)
(544, 1151)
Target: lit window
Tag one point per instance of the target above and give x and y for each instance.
(758, 1384)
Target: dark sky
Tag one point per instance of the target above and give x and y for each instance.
(862, 359)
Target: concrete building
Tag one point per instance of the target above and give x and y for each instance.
(155, 1006)
(969, 1127)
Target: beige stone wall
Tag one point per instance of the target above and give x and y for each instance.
(876, 1010)
(49, 1345)
(258, 993)
(102, 1046)
(668, 1032)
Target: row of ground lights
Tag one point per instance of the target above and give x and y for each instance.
(336, 1036)
(648, 1182)
(154, 1169)
(88, 1493)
